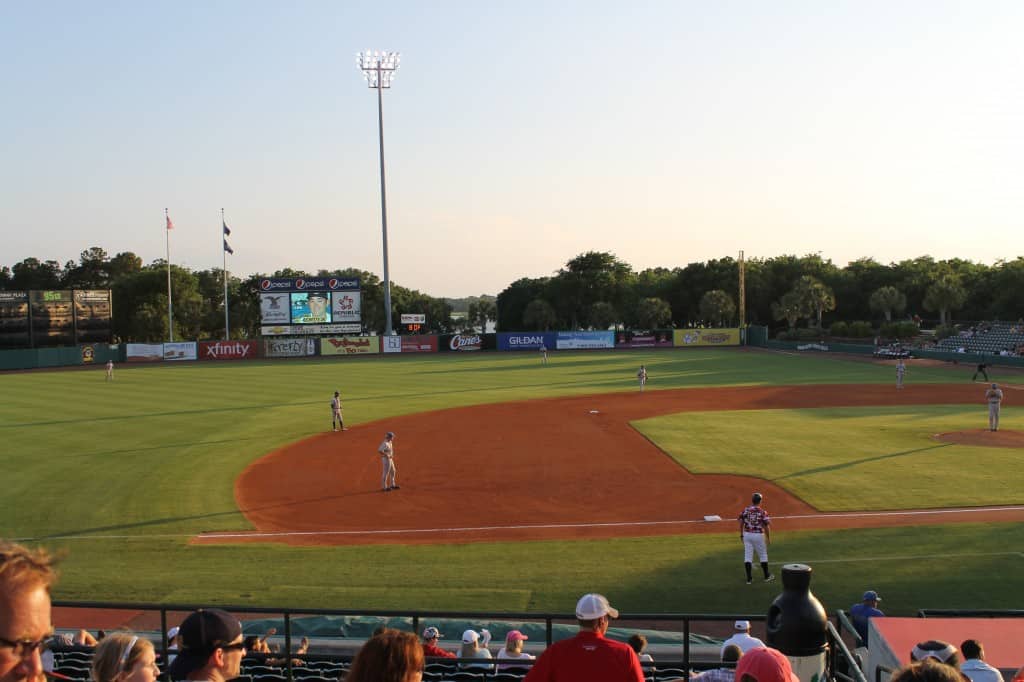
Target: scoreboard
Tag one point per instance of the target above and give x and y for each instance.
(54, 318)
(310, 305)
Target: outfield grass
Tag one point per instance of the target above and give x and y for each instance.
(849, 459)
(123, 473)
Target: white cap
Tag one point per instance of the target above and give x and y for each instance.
(172, 633)
(742, 625)
(470, 636)
(593, 606)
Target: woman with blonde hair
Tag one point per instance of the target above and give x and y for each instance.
(391, 656)
(124, 657)
(474, 645)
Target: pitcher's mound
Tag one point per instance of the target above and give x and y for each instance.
(984, 437)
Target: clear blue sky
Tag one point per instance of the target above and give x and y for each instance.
(517, 135)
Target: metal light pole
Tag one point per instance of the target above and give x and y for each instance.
(379, 68)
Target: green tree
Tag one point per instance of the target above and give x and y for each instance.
(944, 295)
(586, 279)
(717, 307)
(602, 315)
(652, 313)
(511, 303)
(790, 308)
(888, 300)
(815, 297)
(539, 315)
(480, 313)
(33, 274)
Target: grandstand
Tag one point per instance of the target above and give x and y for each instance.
(991, 339)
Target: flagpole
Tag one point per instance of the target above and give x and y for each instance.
(170, 315)
(224, 255)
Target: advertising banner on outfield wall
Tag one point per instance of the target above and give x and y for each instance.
(350, 345)
(228, 350)
(391, 344)
(583, 340)
(303, 329)
(526, 340)
(706, 337)
(180, 350)
(289, 348)
(419, 344)
(144, 352)
(661, 338)
(467, 342)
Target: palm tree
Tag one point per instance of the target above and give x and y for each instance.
(789, 308)
(945, 295)
(717, 307)
(816, 297)
(888, 300)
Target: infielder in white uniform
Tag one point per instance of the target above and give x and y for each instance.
(901, 369)
(994, 396)
(337, 423)
(642, 377)
(754, 522)
(388, 480)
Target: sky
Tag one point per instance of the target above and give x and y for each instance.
(516, 135)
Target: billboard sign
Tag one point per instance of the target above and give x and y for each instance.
(274, 309)
(180, 350)
(655, 339)
(526, 340)
(311, 307)
(289, 284)
(413, 318)
(419, 344)
(144, 352)
(227, 350)
(467, 342)
(391, 344)
(298, 330)
(706, 337)
(346, 306)
(289, 348)
(584, 340)
(350, 345)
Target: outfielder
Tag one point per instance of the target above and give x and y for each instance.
(388, 479)
(543, 354)
(337, 423)
(901, 369)
(994, 396)
(110, 370)
(754, 523)
(642, 377)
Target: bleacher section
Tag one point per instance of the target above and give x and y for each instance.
(985, 338)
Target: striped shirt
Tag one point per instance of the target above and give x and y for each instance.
(754, 519)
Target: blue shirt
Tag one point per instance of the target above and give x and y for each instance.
(859, 615)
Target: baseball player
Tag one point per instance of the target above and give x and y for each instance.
(994, 396)
(642, 377)
(982, 367)
(543, 354)
(388, 481)
(110, 370)
(901, 369)
(754, 523)
(337, 423)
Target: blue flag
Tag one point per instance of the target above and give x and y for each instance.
(227, 230)
(228, 248)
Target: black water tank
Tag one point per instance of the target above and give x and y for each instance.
(797, 623)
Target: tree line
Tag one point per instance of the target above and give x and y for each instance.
(594, 290)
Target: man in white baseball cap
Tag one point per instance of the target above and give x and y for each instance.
(589, 655)
(742, 638)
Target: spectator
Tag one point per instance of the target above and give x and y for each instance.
(430, 647)
(762, 664)
(25, 580)
(639, 644)
(974, 665)
(742, 638)
(211, 647)
(861, 613)
(391, 656)
(474, 645)
(936, 649)
(589, 655)
(513, 650)
(124, 657)
(926, 671)
(730, 654)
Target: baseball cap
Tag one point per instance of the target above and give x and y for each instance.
(765, 665)
(593, 606)
(756, 497)
(871, 595)
(317, 294)
(202, 632)
(995, 385)
(431, 633)
(172, 633)
(933, 648)
(515, 635)
(742, 625)
(470, 636)
(390, 434)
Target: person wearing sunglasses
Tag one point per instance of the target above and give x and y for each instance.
(124, 657)
(211, 647)
(25, 626)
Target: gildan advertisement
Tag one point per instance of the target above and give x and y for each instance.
(584, 340)
(350, 345)
(526, 340)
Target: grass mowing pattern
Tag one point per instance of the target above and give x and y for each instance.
(849, 459)
(153, 455)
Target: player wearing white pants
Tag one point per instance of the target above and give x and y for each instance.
(994, 396)
(754, 523)
(388, 476)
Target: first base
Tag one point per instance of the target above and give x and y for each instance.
(594, 412)
(712, 517)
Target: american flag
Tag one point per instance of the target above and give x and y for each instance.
(170, 225)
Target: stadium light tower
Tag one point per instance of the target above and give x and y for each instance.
(379, 69)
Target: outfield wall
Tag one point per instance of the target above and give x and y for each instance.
(342, 346)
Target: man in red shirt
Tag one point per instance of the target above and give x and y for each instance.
(589, 655)
(430, 647)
